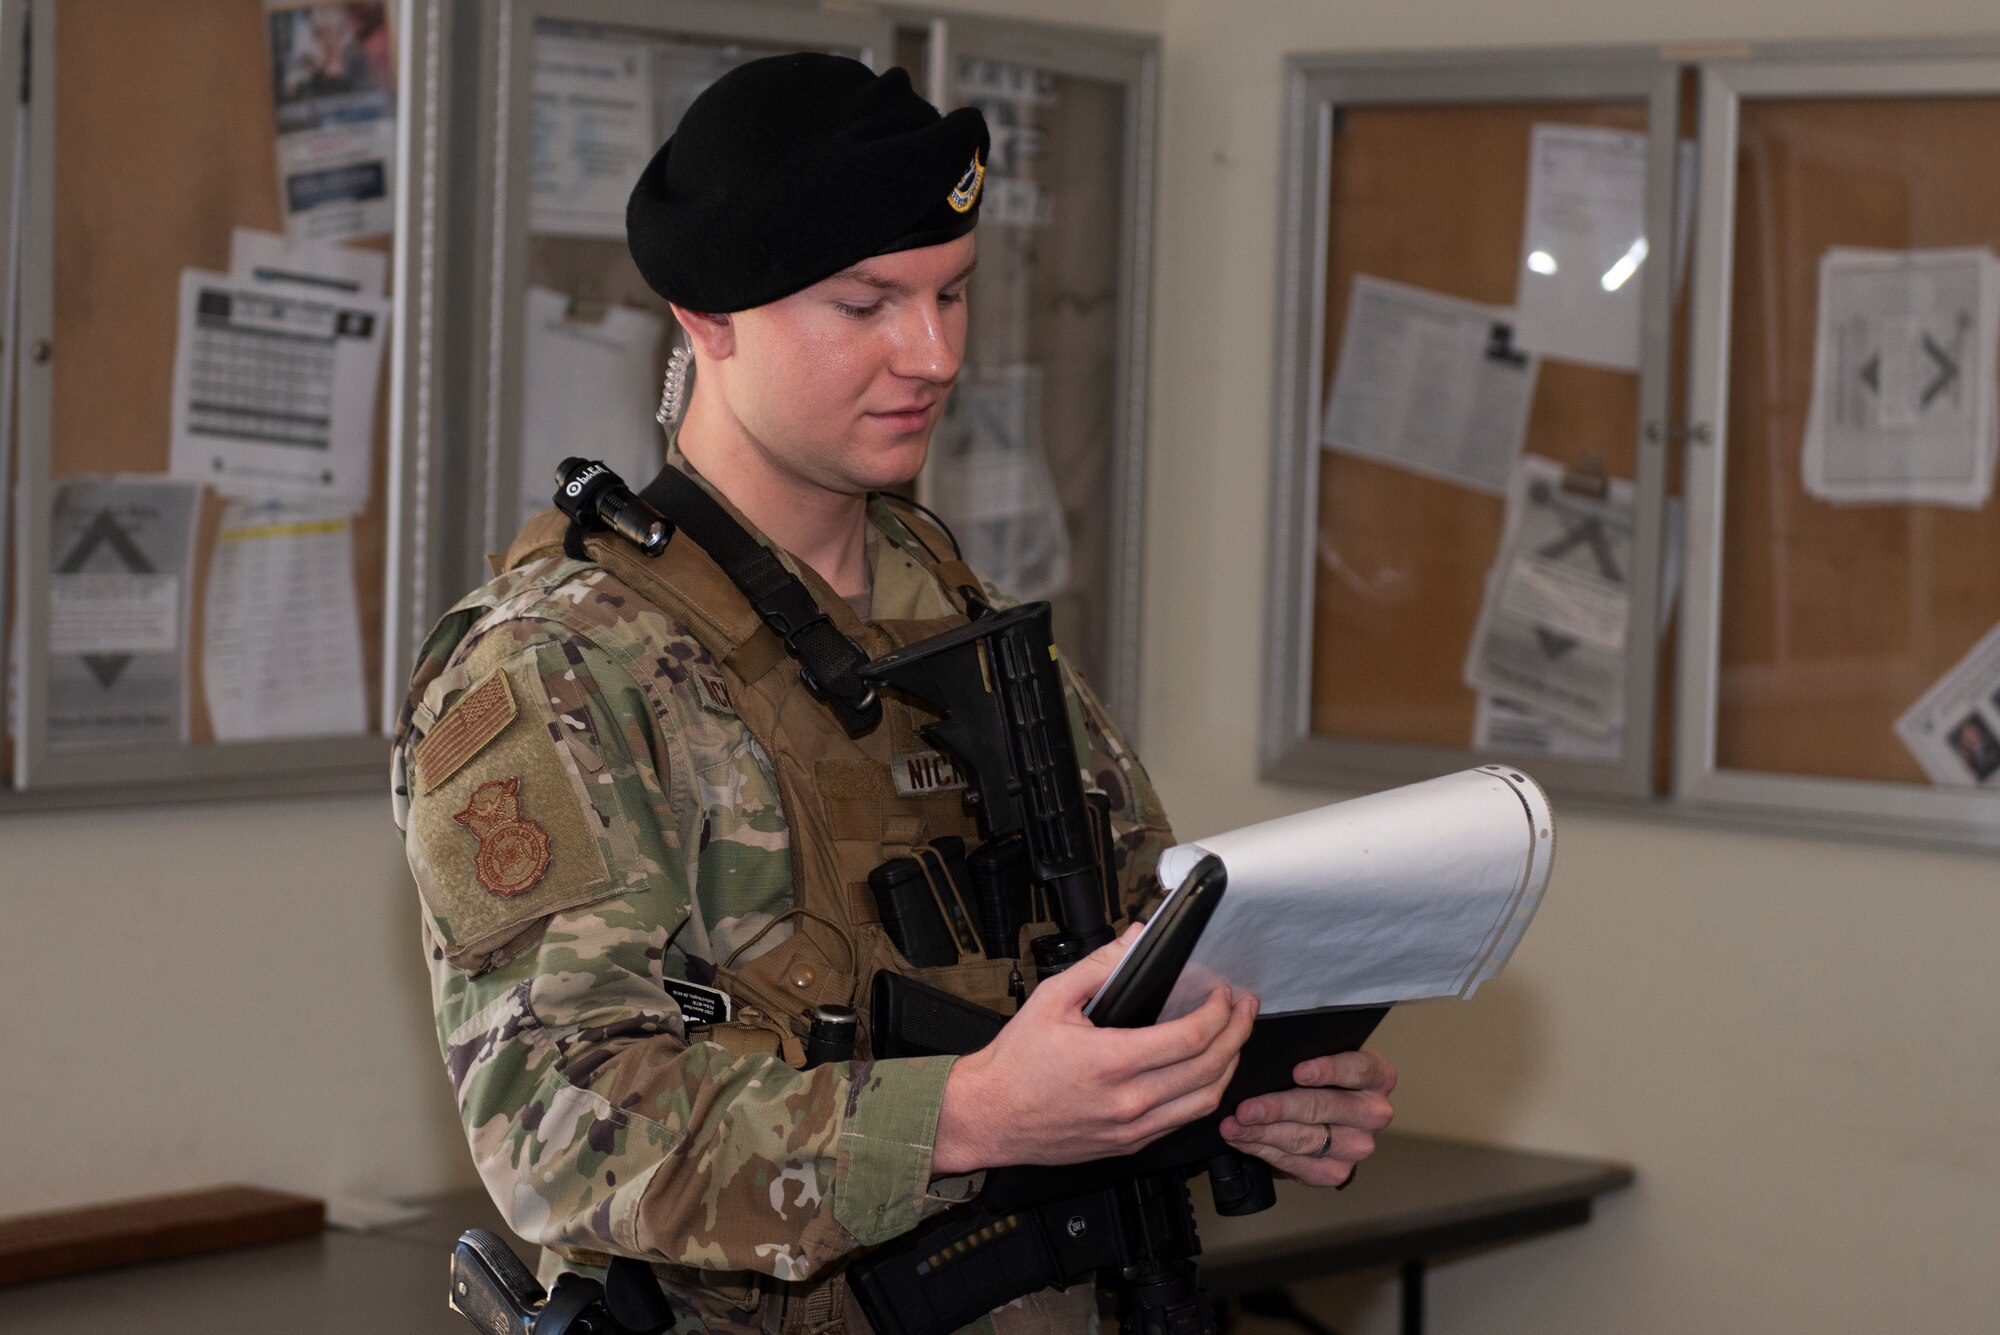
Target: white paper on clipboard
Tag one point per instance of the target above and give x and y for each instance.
(1421, 891)
(1551, 631)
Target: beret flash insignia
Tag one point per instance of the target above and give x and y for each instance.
(513, 851)
(966, 193)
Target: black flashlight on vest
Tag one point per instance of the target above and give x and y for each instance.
(596, 500)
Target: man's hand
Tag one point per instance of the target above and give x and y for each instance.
(1347, 1093)
(1053, 1088)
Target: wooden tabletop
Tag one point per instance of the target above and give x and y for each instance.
(1418, 1196)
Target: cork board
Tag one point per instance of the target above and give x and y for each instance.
(1434, 196)
(164, 141)
(1833, 620)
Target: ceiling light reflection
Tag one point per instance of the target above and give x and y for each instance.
(1627, 265)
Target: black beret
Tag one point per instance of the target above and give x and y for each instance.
(791, 168)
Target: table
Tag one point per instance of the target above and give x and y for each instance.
(1418, 1197)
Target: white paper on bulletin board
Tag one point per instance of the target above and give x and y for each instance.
(1584, 246)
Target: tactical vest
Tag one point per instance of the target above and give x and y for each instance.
(839, 793)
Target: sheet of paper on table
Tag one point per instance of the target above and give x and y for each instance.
(1551, 632)
(281, 635)
(1584, 246)
(1953, 729)
(1903, 407)
(274, 389)
(591, 133)
(121, 557)
(333, 84)
(1506, 726)
(591, 388)
(1429, 383)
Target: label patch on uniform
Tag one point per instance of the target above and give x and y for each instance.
(513, 851)
(922, 772)
(714, 692)
(700, 1005)
(476, 719)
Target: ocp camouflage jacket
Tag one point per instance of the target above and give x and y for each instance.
(587, 817)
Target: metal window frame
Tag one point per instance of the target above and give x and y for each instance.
(1314, 85)
(430, 558)
(1132, 62)
(13, 193)
(46, 777)
(1898, 810)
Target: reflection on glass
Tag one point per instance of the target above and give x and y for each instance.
(1859, 600)
(1626, 265)
(1021, 464)
(595, 336)
(1583, 239)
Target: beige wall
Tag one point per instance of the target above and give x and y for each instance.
(203, 994)
(1793, 1039)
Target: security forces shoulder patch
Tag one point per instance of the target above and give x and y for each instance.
(966, 193)
(513, 851)
(501, 830)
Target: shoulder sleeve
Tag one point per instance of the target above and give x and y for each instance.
(595, 1122)
(1139, 826)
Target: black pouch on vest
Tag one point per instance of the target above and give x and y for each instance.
(910, 913)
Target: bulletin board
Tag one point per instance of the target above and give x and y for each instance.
(161, 140)
(1434, 196)
(1833, 620)
(163, 143)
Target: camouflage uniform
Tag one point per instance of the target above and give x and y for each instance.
(586, 817)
